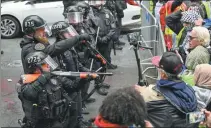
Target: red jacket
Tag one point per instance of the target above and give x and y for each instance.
(166, 10)
(132, 2)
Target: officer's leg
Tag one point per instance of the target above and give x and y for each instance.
(102, 48)
(119, 26)
(107, 53)
(80, 120)
(84, 92)
(73, 117)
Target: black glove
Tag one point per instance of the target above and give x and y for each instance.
(68, 83)
(85, 37)
(43, 78)
(105, 40)
(99, 39)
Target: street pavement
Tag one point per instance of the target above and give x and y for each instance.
(11, 69)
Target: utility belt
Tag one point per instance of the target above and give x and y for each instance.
(48, 114)
(52, 103)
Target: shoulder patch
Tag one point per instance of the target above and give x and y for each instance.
(39, 47)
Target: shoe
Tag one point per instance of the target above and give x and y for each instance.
(84, 109)
(90, 100)
(102, 91)
(112, 66)
(105, 85)
(117, 47)
(83, 124)
(120, 43)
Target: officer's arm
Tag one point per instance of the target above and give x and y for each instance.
(82, 68)
(68, 83)
(173, 22)
(61, 46)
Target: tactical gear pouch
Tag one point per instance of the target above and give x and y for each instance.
(108, 22)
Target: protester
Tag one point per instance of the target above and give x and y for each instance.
(199, 39)
(123, 108)
(170, 99)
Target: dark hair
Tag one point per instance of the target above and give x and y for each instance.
(126, 106)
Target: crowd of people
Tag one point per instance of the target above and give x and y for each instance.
(51, 96)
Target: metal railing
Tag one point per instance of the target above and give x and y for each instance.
(151, 35)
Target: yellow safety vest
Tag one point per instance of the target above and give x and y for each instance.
(151, 6)
(168, 31)
(207, 8)
(178, 37)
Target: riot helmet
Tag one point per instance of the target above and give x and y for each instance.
(62, 30)
(39, 62)
(84, 8)
(96, 3)
(74, 16)
(36, 27)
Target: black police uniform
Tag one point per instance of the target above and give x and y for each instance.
(69, 62)
(106, 23)
(45, 84)
(28, 45)
(68, 3)
(45, 103)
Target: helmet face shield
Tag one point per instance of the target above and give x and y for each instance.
(51, 63)
(75, 17)
(48, 30)
(96, 3)
(68, 33)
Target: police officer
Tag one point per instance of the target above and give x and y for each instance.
(106, 26)
(120, 6)
(110, 4)
(68, 3)
(78, 18)
(35, 40)
(44, 101)
(62, 30)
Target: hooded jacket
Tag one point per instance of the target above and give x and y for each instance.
(163, 112)
(179, 94)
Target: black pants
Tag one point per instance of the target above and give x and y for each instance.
(75, 110)
(105, 50)
(84, 88)
(119, 26)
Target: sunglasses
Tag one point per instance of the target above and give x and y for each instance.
(191, 37)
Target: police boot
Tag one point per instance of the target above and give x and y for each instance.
(84, 109)
(83, 124)
(117, 47)
(89, 100)
(102, 91)
(120, 43)
(105, 85)
(112, 66)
